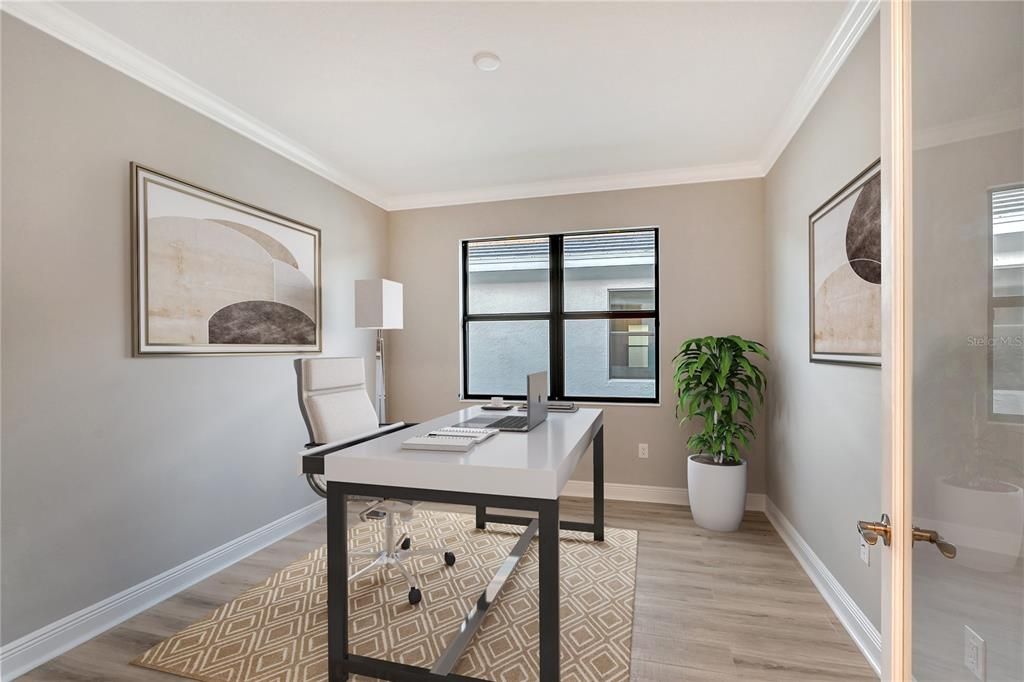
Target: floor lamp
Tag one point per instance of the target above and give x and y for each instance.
(379, 306)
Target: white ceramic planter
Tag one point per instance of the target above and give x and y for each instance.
(985, 522)
(718, 494)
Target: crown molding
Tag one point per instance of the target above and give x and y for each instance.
(71, 28)
(969, 129)
(601, 183)
(855, 20)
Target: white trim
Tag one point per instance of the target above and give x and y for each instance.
(52, 640)
(865, 635)
(562, 187)
(961, 131)
(81, 34)
(648, 493)
(855, 20)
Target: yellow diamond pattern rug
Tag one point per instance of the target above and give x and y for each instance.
(277, 632)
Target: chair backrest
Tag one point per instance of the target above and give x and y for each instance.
(333, 398)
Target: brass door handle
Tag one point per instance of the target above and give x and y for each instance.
(948, 549)
(871, 531)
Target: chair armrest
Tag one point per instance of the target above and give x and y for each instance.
(311, 459)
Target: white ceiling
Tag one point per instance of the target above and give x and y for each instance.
(384, 97)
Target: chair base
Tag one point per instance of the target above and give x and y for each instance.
(394, 553)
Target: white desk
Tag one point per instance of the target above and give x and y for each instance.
(521, 471)
(533, 464)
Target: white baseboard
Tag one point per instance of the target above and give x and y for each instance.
(865, 635)
(52, 640)
(647, 493)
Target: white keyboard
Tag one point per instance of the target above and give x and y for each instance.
(448, 443)
(451, 439)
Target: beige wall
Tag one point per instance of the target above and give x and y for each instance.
(712, 275)
(181, 455)
(115, 468)
(824, 423)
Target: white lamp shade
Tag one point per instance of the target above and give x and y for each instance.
(378, 304)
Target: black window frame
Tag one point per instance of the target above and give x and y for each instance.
(557, 316)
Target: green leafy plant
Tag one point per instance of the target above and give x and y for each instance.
(716, 381)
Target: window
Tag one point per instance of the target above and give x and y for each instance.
(1006, 305)
(581, 306)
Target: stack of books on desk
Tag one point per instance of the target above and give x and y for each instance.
(450, 439)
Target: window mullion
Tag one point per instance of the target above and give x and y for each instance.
(557, 330)
(594, 250)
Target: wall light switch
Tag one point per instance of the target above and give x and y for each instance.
(974, 653)
(865, 552)
(642, 452)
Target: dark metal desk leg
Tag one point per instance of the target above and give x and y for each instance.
(599, 485)
(337, 583)
(481, 517)
(548, 593)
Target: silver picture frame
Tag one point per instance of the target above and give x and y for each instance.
(844, 280)
(216, 276)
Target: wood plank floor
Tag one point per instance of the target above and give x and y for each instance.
(709, 606)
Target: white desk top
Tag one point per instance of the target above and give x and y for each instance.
(533, 464)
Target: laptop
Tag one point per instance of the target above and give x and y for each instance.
(536, 409)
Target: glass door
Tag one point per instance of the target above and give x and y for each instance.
(965, 319)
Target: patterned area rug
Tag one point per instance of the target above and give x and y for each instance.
(277, 632)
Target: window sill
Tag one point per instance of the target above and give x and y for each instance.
(596, 403)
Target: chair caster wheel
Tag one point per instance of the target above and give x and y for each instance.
(449, 558)
(407, 543)
(415, 596)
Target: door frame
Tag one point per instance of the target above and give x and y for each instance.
(897, 337)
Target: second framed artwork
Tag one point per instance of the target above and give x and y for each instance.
(846, 274)
(214, 275)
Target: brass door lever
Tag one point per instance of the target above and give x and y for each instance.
(947, 549)
(871, 531)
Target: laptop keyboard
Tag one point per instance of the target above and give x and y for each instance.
(509, 423)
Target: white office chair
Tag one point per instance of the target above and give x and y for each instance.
(338, 413)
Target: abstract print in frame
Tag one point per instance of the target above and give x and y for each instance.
(846, 274)
(213, 275)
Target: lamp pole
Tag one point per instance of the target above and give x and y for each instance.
(382, 397)
(378, 306)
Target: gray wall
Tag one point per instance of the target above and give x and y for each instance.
(964, 462)
(116, 469)
(824, 427)
(712, 276)
(953, 436)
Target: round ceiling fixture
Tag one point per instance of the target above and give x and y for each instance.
(486, 61)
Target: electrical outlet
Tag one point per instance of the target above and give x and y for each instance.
(865, 552)
(642, 452)
(974, 653)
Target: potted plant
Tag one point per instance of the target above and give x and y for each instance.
(975, 509)
(716, 382)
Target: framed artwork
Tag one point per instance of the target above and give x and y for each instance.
(846, 273)
(214, 275)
